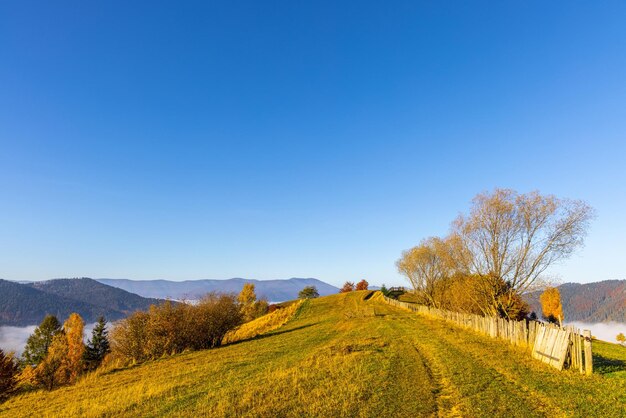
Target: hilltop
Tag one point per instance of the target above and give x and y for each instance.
(345, 355)
(28, 303)
(603, 301)
(273, 290)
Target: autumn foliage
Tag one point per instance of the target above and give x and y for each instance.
(173, 328)
(496, 252)
(64, 360)
(8, 374)
(551, 305)
(347, 287)
(251, 308)
(362, 285)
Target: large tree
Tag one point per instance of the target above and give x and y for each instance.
(74, 333)
(511, 239)
(39, 342)
(427, 267)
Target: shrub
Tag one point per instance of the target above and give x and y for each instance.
(129, 336)
(173, 328)
(213, 317)
(273, 307)
(308, 292)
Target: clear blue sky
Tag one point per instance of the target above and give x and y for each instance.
(279, 139)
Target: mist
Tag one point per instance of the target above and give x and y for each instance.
(605, 331)
(14, 338)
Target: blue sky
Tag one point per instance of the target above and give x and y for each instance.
(292, 139)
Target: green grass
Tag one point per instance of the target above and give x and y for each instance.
(609, 359)
(344, 356)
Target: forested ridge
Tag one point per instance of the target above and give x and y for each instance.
(28, 303)
(603, 301)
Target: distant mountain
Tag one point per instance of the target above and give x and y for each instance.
(28, 303)
(591, 302)
(272, 290)
(95, 293)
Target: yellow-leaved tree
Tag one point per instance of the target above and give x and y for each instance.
(251, 308)
(64, 360)
(50, 373)
(74, 328)
(551, 305)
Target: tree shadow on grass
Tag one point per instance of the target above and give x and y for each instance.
(123, 368)
(258, 337)
(603, 365)
(270, 334)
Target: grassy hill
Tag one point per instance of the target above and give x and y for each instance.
(346, 355)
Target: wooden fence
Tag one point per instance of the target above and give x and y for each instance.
(553, 345)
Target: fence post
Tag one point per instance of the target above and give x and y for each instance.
(588, 354)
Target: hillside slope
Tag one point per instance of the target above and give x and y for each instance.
(272, 290)
(24, 304)
(603, 301)
(344, 355)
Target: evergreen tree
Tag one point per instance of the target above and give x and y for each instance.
(8, 374)
(98, 345)
(39, 342)
(383, 290)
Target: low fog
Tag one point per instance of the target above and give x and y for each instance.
(605, 331)
(14, 338)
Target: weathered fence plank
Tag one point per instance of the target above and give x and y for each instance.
(588, 355)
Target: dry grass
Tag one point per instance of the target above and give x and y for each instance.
(264, 324)
(345, 356)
